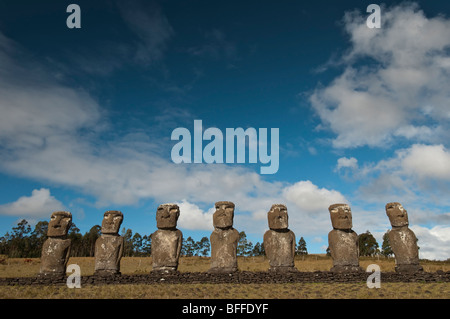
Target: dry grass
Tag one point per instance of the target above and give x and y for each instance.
(28, 267)
(134, 265)
(233, 291)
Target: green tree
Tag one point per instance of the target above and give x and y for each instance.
(19, 243)
(301, 247)
(147, 245)
(386, 249)
(204, 246)
(136, 241)
(368, 245)
(40, 230)
(127, 242)
(188, 247)
(22, 229)
(89, 240)
(258, 249)
(4, 244)
(77, 244)
(244, 247)
(37, 238)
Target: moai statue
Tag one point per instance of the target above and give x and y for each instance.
(224, 240)
(403, 241)
(167, 240)
(342, 240)
(56, 249)
(109, 246)
(279, 241)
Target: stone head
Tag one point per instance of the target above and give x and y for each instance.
(59, 224)
(341, 216)
(112, 219)
(167, 216)
(224, 214)
(278, 217)
(398, 216)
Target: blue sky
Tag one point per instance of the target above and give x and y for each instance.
(86, 114)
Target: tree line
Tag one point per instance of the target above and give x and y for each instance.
(368, 246)
(23, 242)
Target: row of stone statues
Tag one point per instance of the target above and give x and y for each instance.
(279, 241)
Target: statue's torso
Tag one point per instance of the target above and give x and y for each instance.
(403, 242)
(224, 248)
(54, 257)
(344, 247)
(108, 252)
(280, 248)
(166, 245)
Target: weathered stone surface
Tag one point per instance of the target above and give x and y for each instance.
(342, 240)
(279, 241)
(224, 250)
(167, 240)
(109, 246)
(403, 241)
(56, 249)
(166, 248)
(224, 239)
(224, 215)
(341, 216)
(59, 224)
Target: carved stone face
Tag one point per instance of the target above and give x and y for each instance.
(224, 214)
(398, 216)
(59, 224)
(167, 216)
(112, 220)
(278, 217)
(341, 216)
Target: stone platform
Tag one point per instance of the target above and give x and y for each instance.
(239, 277)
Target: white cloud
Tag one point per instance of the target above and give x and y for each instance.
(426, 161)
(434, 242)
(345, 162)
(420, 133)
(192, 217)
(404, 83)
(39, 204)
(419, 177)
(311, 199)
(419, 173)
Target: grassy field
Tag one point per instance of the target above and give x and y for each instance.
(135, 265)
(233, 291)
(23, 267)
